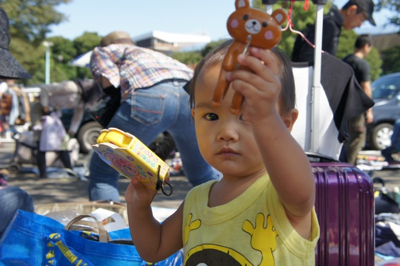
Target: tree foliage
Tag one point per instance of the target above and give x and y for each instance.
(391, 59)
(346, 46)
(194, 57)
(392, 5)
(190, 58)
(301, 18)
(31, 22)
(82, 44)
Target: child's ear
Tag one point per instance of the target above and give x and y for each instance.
(290, 118)
(193, 112)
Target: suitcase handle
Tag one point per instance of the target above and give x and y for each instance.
(315, 157)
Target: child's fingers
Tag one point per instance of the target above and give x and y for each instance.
(253, 95)
(267, 57)
(261, 62)
(245, 80)
(136, 192)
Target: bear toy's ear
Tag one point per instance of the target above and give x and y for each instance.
(242, 4)
(280, 16)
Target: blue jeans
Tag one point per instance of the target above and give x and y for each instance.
(149, 112)
(12, 199)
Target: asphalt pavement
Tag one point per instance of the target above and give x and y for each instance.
(62, 187)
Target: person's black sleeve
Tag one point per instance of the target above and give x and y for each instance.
(330, 37)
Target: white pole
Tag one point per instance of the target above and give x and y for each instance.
(268, 9)
(47, 58)
(316, 88)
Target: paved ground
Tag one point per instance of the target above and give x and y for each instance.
(55, 190)
(69, 189)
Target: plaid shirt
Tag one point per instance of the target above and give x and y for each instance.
(133, 67)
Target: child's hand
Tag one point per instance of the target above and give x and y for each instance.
(138, 195)
(260, 86)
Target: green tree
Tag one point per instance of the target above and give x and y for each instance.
(300, 18)
(189, 58)
(392, 5)
(30, 22)
(82, 44)
(192, 58)
(61, 53)
(210, 46)
(391, 59)
(86, 42)
(346, 46)
(63, 49)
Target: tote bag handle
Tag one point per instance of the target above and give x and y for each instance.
(103, 234)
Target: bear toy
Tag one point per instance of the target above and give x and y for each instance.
(247, 24)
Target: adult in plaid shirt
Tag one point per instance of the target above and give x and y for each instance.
(153, 101)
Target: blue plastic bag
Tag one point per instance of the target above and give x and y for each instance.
(33, 239)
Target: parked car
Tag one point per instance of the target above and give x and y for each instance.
(386, 94)
(88, 132)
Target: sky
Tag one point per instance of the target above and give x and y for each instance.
(207, 17)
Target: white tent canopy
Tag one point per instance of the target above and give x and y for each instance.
(82, 61)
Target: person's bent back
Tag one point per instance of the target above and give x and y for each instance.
(153, 101)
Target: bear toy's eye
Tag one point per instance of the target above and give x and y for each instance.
(264, 24)
(245, 17)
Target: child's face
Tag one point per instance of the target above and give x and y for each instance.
(225, 140)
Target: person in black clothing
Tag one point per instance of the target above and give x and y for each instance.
(352, 15)
(356, 125)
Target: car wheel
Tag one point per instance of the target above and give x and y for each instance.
(381, 135)
(87, 135)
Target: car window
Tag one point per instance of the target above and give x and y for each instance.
(385, 88)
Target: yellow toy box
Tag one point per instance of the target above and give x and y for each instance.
(130, 157)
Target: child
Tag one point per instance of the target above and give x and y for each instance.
(261, 211)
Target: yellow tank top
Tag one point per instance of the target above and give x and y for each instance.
(250, 230)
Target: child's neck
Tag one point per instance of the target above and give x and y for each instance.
(229, 188)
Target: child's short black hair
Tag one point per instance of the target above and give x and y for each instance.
(287, 98)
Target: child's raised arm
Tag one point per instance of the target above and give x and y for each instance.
(285, 160)
(154, 241)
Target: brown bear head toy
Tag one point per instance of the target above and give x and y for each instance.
(245, 25)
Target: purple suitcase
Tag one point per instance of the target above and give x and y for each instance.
(345, 208)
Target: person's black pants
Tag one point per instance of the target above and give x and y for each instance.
(41, 161)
